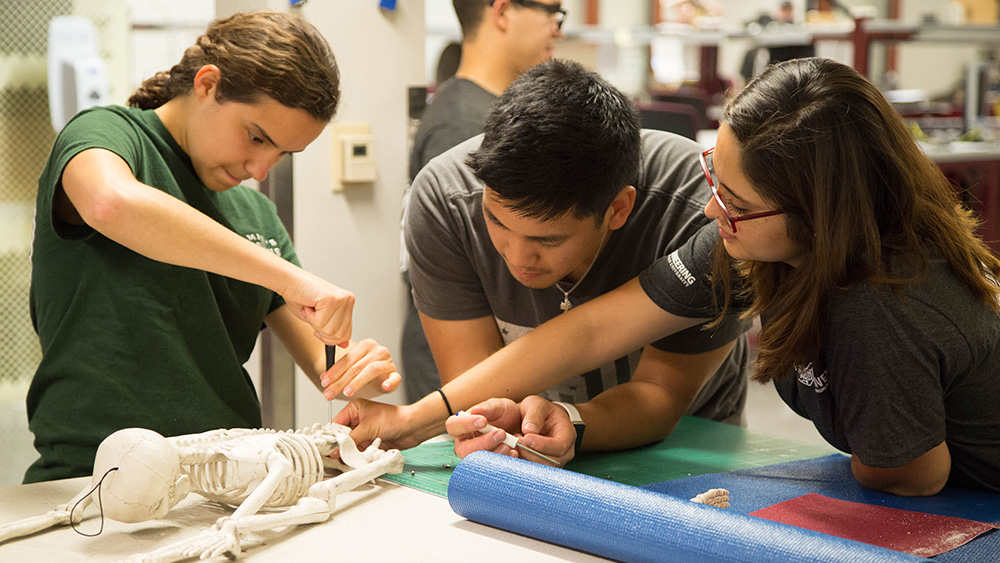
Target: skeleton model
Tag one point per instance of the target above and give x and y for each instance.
(142, 475)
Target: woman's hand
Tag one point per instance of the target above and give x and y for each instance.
(365, 362)
(327, 308)
(395, 425)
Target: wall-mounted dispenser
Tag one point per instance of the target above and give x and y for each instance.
(77, 79)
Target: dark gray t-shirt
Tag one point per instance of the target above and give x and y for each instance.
(457, 112)
(457, 273)
(895, 376)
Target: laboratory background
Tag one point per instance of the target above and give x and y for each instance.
(936, 61)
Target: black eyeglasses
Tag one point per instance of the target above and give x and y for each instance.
(555, 10)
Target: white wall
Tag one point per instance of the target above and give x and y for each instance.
(915, 60)
(625, 63)
(352, 238)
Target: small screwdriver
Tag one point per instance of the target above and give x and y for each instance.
(511, 441)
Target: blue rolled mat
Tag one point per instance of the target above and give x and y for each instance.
(628, 523)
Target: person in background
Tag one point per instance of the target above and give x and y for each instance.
(562, 199)
(786, 12)
(500, 40)
(880, 308)
(448, 61)
(153, 270)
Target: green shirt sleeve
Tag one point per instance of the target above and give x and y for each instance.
(94, 128)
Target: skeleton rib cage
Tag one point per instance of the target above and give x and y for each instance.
(210, 473)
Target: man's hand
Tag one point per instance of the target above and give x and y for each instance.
(538, 423)
(327, 308)
(547, 428)
(364, 362)
(370, 420)
(502, 413)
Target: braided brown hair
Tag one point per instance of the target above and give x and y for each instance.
(258, 54)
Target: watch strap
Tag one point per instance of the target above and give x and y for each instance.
(578, 424)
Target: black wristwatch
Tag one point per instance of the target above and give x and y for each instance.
(578, 423)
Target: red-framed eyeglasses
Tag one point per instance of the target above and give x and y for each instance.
(709, 170)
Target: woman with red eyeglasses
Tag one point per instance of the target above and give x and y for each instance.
(878, 304)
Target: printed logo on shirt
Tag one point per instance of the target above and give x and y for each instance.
(576, 389)
(680, 270)
(807, 377)
(266, 243)
(510, 331)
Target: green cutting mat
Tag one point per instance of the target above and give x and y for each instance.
(696, 446)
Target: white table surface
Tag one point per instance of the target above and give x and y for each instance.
(380, 522)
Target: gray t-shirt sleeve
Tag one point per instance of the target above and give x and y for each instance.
(678, 283)
(445, 283)
(888, 394)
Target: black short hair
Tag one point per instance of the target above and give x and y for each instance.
(470, 15)
(559, 139)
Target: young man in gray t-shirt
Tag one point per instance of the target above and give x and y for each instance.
(560, 201)
(500, 40)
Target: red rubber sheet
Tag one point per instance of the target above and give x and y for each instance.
(917, 533)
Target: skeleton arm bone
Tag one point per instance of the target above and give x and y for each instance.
(354, 458)
(278, 467)
(321, 501)
(390, 462)
(225, 536)
(307, 510)
(231, 533)
(58, 516)
(214, 542)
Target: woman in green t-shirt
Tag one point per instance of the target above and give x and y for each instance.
(153, 270)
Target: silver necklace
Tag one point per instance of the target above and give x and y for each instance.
(566, 305)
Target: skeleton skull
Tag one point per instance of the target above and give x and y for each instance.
(144, 475)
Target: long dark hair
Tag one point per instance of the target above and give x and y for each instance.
(258, 54)
(820, 142)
